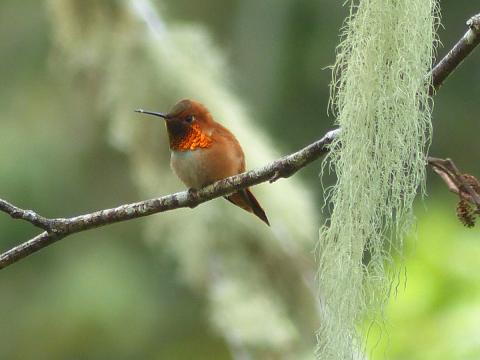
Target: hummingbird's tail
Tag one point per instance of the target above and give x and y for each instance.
(245, 199)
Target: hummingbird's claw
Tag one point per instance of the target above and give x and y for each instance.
(285, 172)
(275, 177)
(193, 195)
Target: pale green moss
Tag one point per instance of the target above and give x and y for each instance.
(380, 97)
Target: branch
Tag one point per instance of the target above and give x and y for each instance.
(458, 53)
(27, 215)
(466, 186)
(56, 229)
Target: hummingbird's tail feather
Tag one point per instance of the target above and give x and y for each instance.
(245, 199)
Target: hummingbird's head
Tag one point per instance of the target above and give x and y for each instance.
(188, 124)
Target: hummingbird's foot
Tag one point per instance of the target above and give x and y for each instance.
(192, 197)
(286, 171)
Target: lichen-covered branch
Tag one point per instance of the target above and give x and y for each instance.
(59, 228)
(27, 215)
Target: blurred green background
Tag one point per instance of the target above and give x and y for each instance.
(73, 71)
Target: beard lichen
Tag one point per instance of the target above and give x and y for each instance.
(381, 100)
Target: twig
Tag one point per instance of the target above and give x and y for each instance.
(458, 53)
(27, 215)
(464, 185)
(57, 229)
(62, 227)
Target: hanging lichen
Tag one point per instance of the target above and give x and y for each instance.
(380, 96)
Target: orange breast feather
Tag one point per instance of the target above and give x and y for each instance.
(194, 139)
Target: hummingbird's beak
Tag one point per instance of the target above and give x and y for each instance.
(141, 111)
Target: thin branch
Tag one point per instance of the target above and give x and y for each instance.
(62, 227)
(56, 229)
(464, 185)
(458, 53)
(27, 215)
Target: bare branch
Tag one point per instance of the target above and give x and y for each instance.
(27, 215)
(56, 229)
(458, 53)
(464, 185)
(60, 228)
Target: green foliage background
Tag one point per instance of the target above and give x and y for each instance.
(108, 293)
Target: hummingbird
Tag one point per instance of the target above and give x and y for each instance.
(204, 151)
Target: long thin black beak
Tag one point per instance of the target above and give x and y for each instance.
(141, 111)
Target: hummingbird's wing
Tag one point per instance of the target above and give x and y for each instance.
(245, 199)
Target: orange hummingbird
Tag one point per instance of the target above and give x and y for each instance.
(203, 151)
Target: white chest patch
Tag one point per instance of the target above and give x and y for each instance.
(188, 167)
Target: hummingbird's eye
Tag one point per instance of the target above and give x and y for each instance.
(190, 118)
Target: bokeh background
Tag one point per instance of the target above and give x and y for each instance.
(212, 282)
